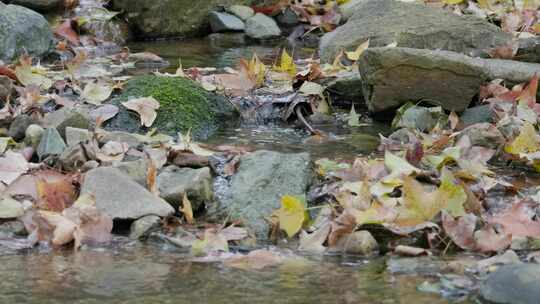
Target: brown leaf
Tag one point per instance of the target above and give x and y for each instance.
(255, 260)
(151, 177)
(187, 210)
(341, 226)
(460, 230)
(67, 31)
(55, 195)
(12, 165)
(518, 221)
(488, 240)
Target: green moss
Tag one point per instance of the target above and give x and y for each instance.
(184, 105)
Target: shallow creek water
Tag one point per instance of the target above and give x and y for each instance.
(129, 272)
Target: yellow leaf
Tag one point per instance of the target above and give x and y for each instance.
(419, 205)
(286, 64)
(528, 141)
(187, 210)
(453, 1)
(354, 56)
(257, 70)
(291, 215)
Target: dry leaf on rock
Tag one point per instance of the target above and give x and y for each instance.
(146, 108)
(96, 93)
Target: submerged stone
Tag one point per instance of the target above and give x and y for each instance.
(263, 178)
(184, 106)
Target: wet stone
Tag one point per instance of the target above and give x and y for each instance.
(76, 135)
(143, 226)
(51, 143)
(262, 27)
(513, 284)
(33, 135)
(173, 182)
(19, 125)
(241, 11)
(222, 22)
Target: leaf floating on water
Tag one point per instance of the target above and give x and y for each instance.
(146, 108)
(255, 260)
(291, 215)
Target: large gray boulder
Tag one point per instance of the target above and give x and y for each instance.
(262, 179)
(120, 197)
(23, 30)
(394, 76)
(411, 25)
(262, 27)
(39, 5)
(513, 284)
(170, 18)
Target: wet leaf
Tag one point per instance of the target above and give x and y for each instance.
(67, 31)
(146, 108)
(454, 193)
(212, 242)
(291, 215)
(488, 240)
(255, 260)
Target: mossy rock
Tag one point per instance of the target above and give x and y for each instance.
(184, 105)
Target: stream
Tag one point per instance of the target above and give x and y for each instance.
(131, 272)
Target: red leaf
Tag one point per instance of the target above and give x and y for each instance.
(460, 230)
(528, 95)
(518, 221)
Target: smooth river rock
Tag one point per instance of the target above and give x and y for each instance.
(23, 30)
(173, 182)
(392, 76)
(411, 25)
(120, 197)
(262, 179)
(262, 27)
(513, 284)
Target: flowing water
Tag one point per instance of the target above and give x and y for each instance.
(129, 272)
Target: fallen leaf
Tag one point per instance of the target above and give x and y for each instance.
(67, 31)
(187, 209)
(291, 215)
(212, 242)
(12, 165)
(354, 118)
(354, 56)
(411, 251)
(460, 230)
(255, 260)
(518, 220)
(146, 108)
(286, 64)
(488, 240)
(313, 242)
(27, 76)
(96, 93)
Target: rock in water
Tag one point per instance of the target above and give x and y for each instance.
(173, 182)
(262, 179)
(40, 5)
(411, 25)
(221, 22)
(513, 284)
(170, 18)
(262, 27)
(241, 11)
(392, 76)
(23, 30)
(184, 105)
(143, 226)
(120, 197)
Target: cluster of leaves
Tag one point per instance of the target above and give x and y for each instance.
(434, 182)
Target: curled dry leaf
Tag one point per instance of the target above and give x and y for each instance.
(187, 210)
(146, 108)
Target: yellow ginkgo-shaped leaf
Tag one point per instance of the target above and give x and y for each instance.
(291, 215)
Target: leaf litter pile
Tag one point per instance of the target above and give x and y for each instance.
(425, 191)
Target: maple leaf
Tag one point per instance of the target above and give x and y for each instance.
(527, 141)
(419, 205)
(286, 64)
(460, 230)
(518, 221)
